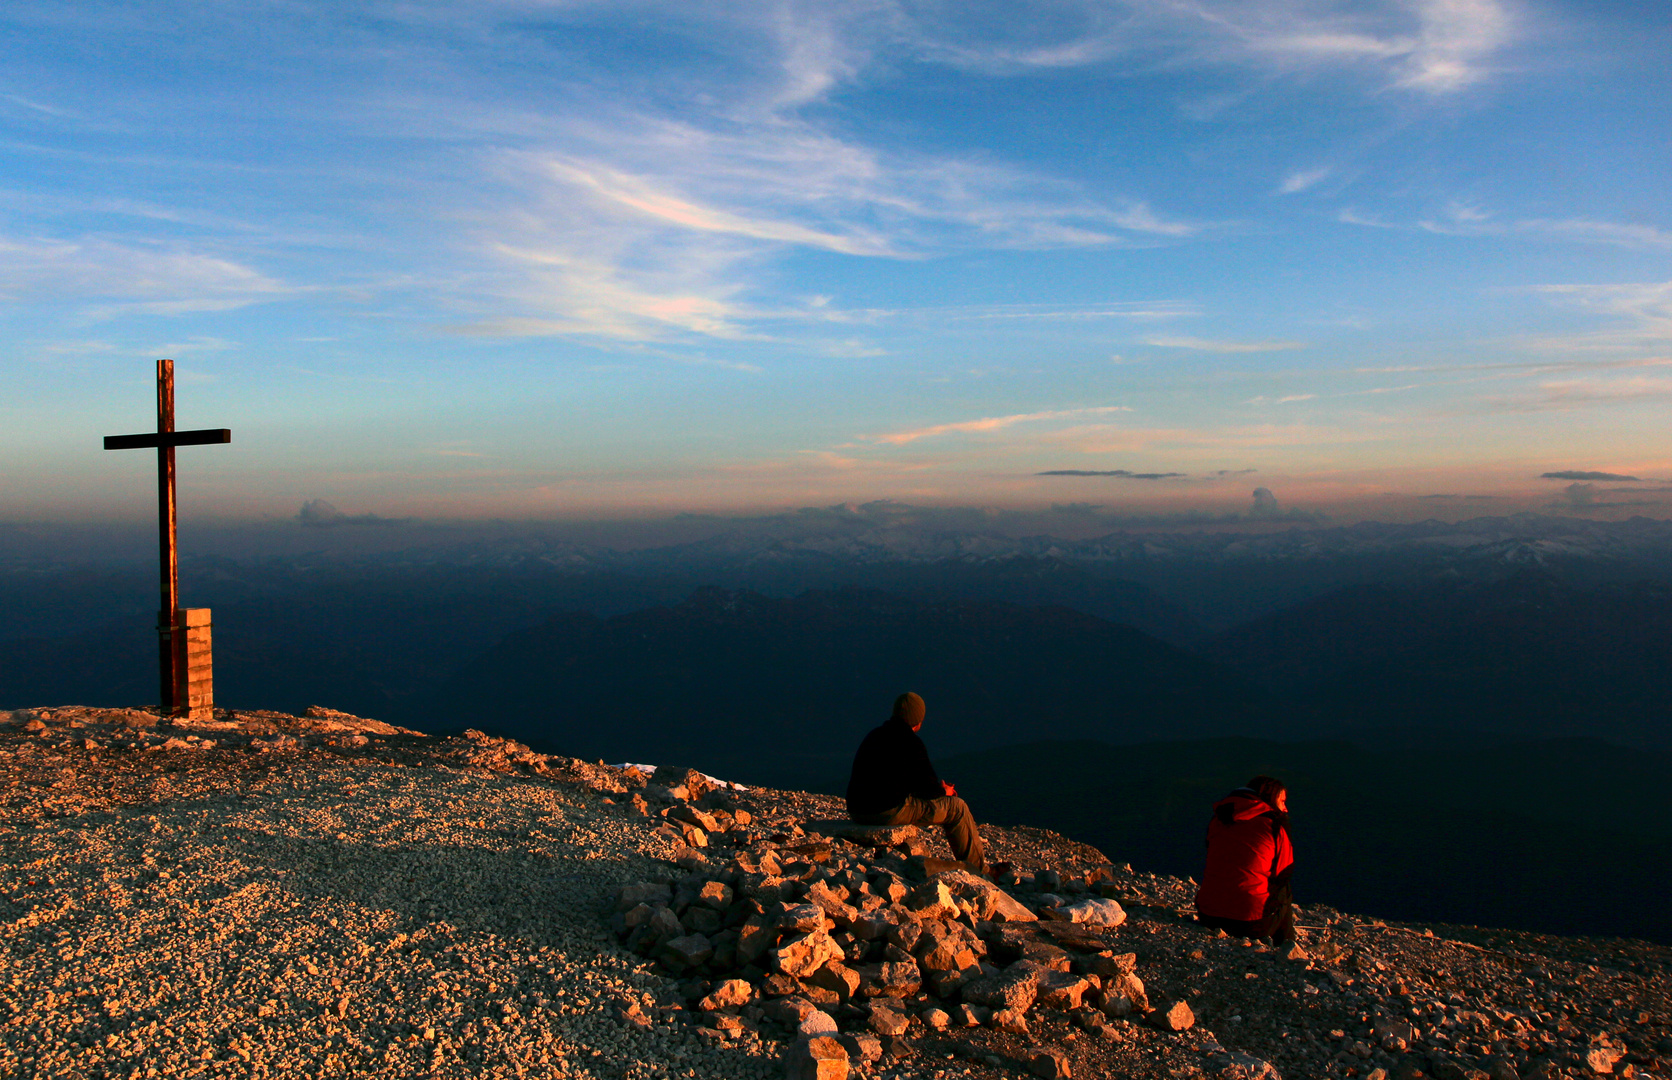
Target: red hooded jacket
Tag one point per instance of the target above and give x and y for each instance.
(1248, 845)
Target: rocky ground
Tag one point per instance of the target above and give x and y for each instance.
(323, 895)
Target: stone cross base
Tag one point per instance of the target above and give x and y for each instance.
(195, 695)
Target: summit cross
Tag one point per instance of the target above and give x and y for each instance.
(186, 686)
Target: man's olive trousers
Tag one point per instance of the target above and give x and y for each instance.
(951, 813)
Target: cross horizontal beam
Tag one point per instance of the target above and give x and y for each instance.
(200, 437)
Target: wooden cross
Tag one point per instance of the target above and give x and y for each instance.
(170, 628)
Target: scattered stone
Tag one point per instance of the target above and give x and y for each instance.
(1173, 1017)
(887, 1021)
(730, 994)
(817, 1058)
(1010, 1020)
(1093, 911)
(1049, 1064)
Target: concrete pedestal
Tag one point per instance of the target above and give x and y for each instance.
(194, 695)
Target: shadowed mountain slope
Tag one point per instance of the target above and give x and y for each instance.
(781, 690)
(1528, 655)
(1561, 835)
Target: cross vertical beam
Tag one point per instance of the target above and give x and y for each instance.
(171, 658)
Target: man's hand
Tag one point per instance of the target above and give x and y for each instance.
(948, 788)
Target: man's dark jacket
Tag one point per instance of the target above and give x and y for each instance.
(891, 763)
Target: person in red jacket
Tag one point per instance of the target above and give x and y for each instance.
(1245, 888)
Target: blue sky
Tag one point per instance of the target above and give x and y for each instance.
(569, 259)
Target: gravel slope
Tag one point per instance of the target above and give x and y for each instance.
(268, 895)
(300, 912)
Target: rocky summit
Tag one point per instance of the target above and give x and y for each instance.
(323, 895)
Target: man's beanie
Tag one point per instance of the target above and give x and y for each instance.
(909, 707)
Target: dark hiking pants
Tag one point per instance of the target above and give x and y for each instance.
(1276, 922)
(951, 813)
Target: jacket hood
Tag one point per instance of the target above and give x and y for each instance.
(1242, 805)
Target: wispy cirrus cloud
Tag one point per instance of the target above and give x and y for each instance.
(1469, 219)
(992, 423)
(1429, 46)
(153, 278)
(1303, 180)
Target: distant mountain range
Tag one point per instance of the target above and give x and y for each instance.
(783, 690)
(1070, 685)
(1527, 655)
(1554, 835)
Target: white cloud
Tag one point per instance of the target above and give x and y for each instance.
(1468, 219)
(1646, 306)
(1303, 179)
(992, 423)
(153, 278)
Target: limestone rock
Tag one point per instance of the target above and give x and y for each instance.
(817, 1058)
(801, 918)
(1094, 911)
(890, 979)
(839, 978)
(888, 1021)
(715, 894)
(987, 900)
(1175, 1016)
(932, 900)
(1011, 989)
(731, 994)
(1049, 1064)
(817, 1022)
(862, 1047)
(801, 956)
(1060, 990)
(692, 950)
(1010, 1020)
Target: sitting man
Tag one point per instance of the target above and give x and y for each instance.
(894, 784)
(1245, 887)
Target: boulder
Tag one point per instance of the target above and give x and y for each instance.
(690, 815)
(798, 918)
(896, 979)
(862, 1047)
(1130, 987)
(837, 977)
(691, 950)
(665, 924)
(931, 900)
(1010, 989)
(715, 894)
(1094, 911)
(987, 901)
(817, 1022)
(730, 994)
(801, 956)
(1049, 1064)
(888, 1021)
(1105, 965)
(1175, 1016)
(817, 1058)
(834, 907)
(1010, 1020)
(1060, 990)
(754, 938)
